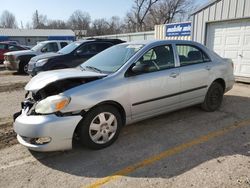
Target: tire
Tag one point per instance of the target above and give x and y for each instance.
(213, 97)
(94, 132)
(23, 68)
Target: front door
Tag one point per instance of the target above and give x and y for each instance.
(156, 89)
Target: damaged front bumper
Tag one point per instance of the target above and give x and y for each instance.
(45, 132)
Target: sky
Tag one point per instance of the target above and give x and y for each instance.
(62, 9)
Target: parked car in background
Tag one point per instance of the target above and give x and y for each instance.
(70, 56)
(12, 42)
(7, 47)
(19, 60)
(121, 85)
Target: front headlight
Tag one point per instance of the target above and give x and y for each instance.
(52, 104)
(41, 62)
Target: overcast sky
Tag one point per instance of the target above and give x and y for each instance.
(62, 9)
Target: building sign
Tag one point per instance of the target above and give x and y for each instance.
(178, 29)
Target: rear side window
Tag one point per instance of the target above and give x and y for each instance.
(63, 44)
(190, 55)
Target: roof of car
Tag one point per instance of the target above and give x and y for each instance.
(10, 44)
(147, 42)
(100, 39)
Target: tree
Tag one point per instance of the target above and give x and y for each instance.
(57, 24)
(39, 21)
(99, 27)
(79, 20)
(8, 20)
(139, 12)
(165, 11)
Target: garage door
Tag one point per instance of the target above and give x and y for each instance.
(232, 40)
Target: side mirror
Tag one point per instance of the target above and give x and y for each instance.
(79, 53)
(44, 49)
(139, 69)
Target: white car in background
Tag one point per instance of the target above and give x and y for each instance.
(19, 60)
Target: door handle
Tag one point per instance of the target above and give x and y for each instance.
(174, 74)
(208, 68)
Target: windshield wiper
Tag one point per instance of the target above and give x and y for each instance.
(94, 68)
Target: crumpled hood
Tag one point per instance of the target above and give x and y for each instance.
(43, 79)
(22, 52)
(45, 56)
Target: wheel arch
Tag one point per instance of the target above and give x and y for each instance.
(222, 82)
(117, 105)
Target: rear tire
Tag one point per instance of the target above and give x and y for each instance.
(213, 97)
(100, 127)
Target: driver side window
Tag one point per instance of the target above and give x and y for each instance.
(157, 59)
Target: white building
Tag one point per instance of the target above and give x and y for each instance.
(224, 26)
(30, 37)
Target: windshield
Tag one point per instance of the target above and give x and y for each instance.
(69, 48)
(112, 59)
(38, 46)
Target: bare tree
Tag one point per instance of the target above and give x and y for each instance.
(28, 25)
(139, 12)
(166, 11)
(79, 20)
(8, 20)
(99, 27)
(39, 21)
(57, 24)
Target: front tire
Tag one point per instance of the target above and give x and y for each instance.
(23, 68)
(213, 97)
(100, 127)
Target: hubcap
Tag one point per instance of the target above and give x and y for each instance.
(103, 128)
(25, 68)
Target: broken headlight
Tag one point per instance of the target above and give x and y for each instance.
(52, 104)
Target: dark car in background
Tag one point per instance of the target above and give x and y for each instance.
(70, 56)
(8, 47)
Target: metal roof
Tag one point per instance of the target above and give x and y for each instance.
(35, 32)
(211, 2)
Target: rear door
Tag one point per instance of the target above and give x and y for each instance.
(195, 68)
(156, 90)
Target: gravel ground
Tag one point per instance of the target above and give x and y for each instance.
(223, 161)
(7, 79)
(10, 103)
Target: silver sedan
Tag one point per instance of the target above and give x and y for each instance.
(123, 84)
